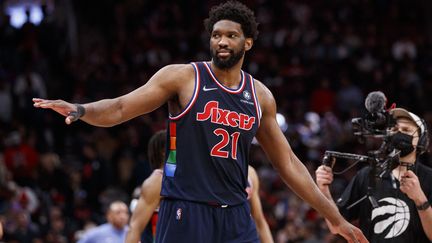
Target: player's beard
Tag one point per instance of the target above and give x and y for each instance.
(229, 62)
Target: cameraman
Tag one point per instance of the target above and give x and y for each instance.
(403, 194)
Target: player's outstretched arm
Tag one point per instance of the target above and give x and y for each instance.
(162, 86)
(147, 203)
(263, 228)
(292, 170)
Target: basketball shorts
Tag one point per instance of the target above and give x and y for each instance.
(193, 222)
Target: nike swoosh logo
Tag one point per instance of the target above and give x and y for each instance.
(208, 89)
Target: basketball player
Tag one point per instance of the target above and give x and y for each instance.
(146, 209)
(216, 109)
(262, 226)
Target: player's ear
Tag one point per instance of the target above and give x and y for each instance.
(248, 44)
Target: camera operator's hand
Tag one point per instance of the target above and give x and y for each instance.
(410, 185)
(324, 177)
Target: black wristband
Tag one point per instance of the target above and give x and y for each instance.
(423, 206)
(80, 112)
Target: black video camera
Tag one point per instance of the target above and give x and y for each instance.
(377, 122)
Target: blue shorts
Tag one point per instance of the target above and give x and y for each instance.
(192, 222)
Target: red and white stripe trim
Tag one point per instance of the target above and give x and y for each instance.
(194, 96)
(255, 98)
(231, 91)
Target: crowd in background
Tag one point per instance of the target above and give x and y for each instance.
(319, 58)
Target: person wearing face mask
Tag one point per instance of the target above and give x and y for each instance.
(403, 195)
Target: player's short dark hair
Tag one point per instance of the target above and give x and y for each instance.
(234, 11)
(156, 149)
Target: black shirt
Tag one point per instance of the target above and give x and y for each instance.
(396, 218)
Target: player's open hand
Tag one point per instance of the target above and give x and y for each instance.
(351, 233)
(60, 106)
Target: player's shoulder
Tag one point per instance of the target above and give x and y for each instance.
(179, 67)
(264, 95)
(251, 171)
(259, 86)
(153, 183)
(177, 71)
(155, 177)
(158, 172)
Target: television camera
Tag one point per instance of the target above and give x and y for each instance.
(377, 123)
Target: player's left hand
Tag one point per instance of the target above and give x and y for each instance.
(410, 185)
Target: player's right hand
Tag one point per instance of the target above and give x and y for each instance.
(351, 233)
(62, 107)
(324, 177)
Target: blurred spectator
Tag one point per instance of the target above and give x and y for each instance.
(404, 48)
(349, 97)
(5, 102)
(112, 231)
(57, 232)
(20, 228)
(323, 97)
(20, 158)
(310, 135)
(27, 85)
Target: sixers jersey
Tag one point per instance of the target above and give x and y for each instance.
(209, 141)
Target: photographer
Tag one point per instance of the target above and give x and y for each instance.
(403, 194)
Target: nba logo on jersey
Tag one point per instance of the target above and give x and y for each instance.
(247, 95)
(178, 213)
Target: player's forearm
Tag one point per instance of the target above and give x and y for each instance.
(133, 235)
(264, 232)
(138, 222)
(327, 194)
(298, 178)
(103, 113)
(329, 197)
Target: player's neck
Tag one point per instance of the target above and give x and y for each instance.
(230, 77)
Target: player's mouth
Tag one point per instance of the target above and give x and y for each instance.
(223, 53)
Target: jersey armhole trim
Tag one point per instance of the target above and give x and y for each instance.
(194, 95)
(255, 98)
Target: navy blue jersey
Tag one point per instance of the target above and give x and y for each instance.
(209, 141)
